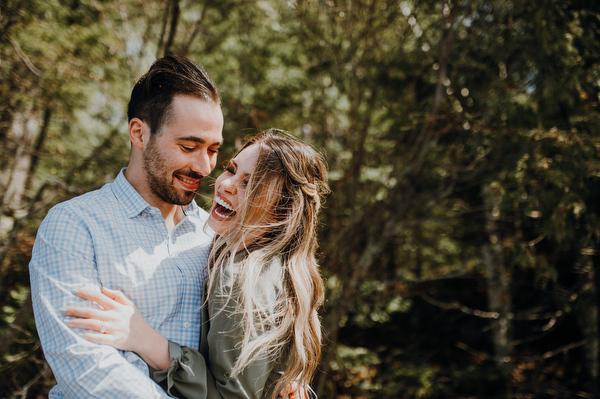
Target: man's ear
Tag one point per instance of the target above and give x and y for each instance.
(139, 133)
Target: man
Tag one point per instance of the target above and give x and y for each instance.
(142, 234)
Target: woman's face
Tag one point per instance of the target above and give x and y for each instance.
(230, 190)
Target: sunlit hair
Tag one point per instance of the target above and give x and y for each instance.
(279, 221)
(152, 96)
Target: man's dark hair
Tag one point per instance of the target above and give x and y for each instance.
(152, 96)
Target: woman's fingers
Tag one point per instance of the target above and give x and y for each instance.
(88, 324)
(118, 323)
(85, 313)
(106, 298)
(117, 296)
(93, 295)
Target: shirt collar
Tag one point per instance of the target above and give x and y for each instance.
(132, 202)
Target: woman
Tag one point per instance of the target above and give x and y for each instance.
(260, 327)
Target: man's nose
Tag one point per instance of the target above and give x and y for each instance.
(202, 164)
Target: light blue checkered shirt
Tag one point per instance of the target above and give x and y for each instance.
(111, 237)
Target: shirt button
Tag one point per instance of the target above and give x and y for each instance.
(187, 325)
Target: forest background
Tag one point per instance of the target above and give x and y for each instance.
(460, 245)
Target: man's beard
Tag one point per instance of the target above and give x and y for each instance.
(161, 180)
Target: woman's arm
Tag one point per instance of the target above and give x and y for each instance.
(182, 371)
(207, 373)
(119, 324)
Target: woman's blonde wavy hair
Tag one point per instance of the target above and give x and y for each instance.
(283, 198)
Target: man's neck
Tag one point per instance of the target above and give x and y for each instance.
(172, 216)
(171, 213)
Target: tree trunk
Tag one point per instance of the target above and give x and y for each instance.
(588, 317)
(498, 283)
(24, 128)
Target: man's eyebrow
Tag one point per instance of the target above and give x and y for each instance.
(198, 140)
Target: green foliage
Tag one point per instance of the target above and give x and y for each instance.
(425, 110)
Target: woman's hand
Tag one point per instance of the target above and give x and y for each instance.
(119, 323)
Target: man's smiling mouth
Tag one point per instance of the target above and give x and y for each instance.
(189, 183)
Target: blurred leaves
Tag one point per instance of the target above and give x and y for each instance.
(428, 112)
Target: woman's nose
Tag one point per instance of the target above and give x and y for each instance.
(229, 186)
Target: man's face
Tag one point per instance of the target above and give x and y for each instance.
(184, 152)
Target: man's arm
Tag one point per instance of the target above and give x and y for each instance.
(63, 260)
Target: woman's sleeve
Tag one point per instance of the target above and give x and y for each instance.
(192, 376)
(187, 377)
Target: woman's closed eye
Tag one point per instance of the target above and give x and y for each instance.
(232, 170)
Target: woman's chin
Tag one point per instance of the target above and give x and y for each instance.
(218, 224)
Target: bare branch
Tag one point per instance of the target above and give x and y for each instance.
(196, 30)
(36, 71)
(45, 372)
(173, 28)
(508, 359)
(455, 305)
(163, 30)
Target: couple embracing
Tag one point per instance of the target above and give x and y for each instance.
(139, 293)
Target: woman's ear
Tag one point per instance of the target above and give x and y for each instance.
(139, 132)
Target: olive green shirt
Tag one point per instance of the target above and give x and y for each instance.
(205, 373)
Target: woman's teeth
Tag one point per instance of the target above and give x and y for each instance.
(225, 205)
(221, 215)
(222, 202)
